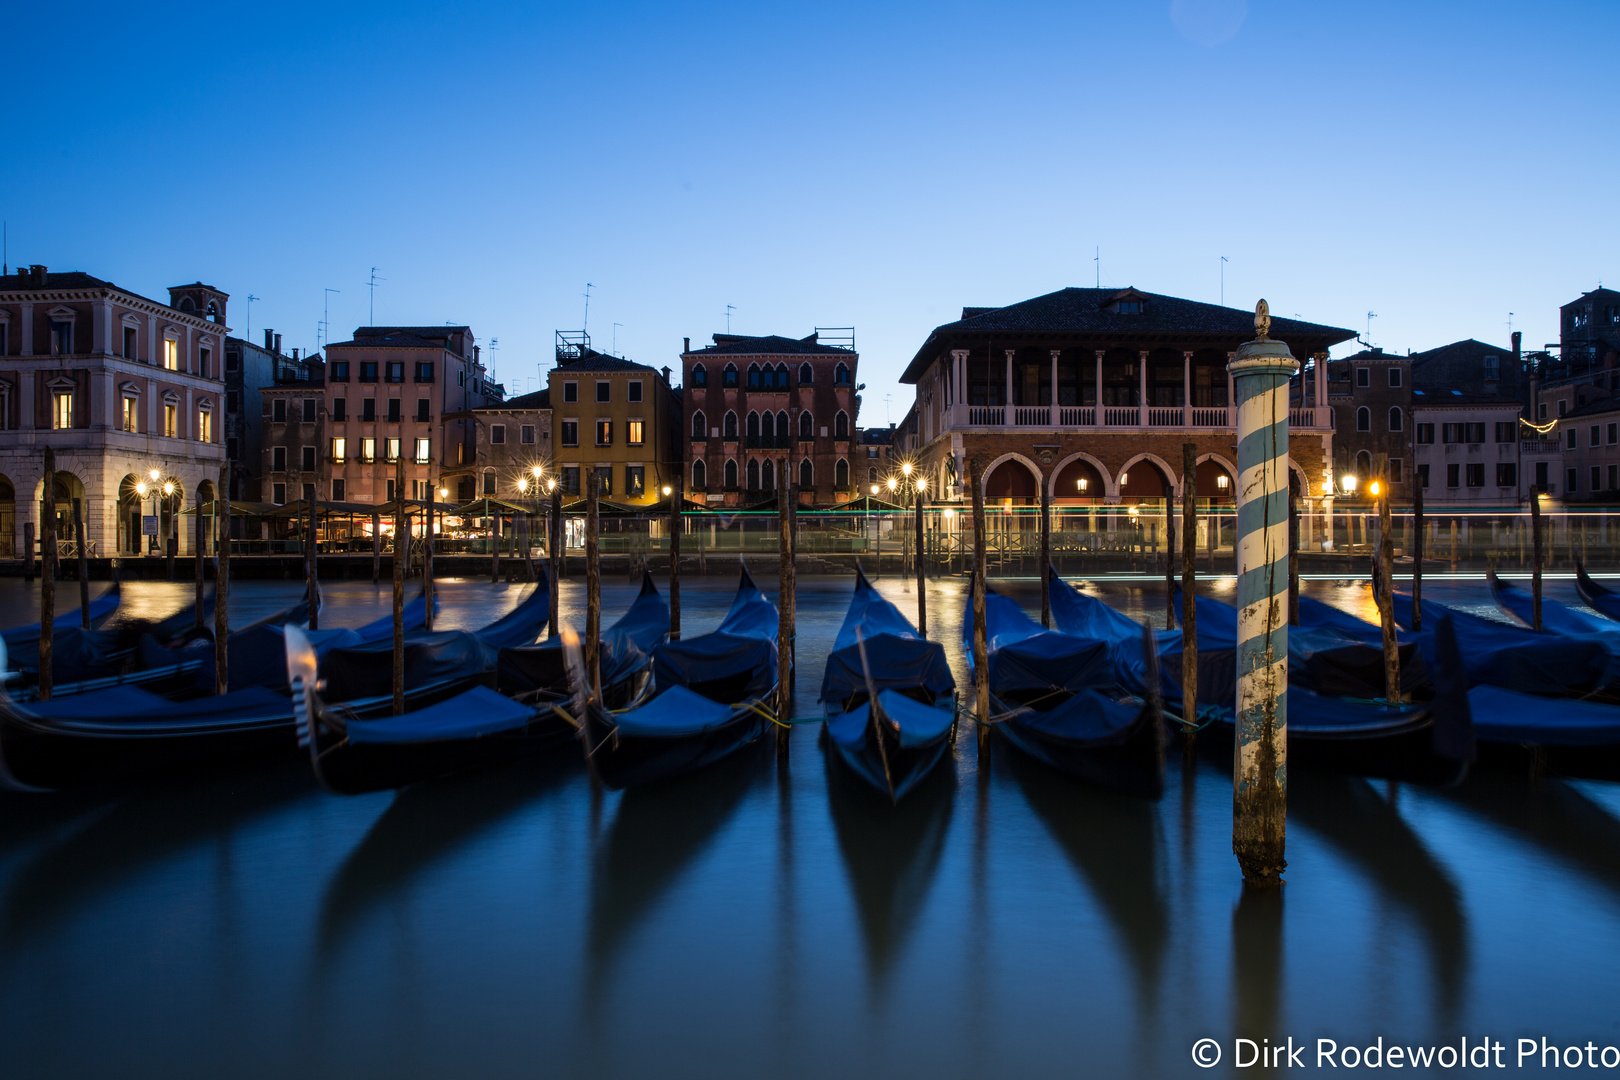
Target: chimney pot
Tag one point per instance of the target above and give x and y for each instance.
(269, 340)
(295, 355)
(686, 344)
(278, 345)
(38, 273)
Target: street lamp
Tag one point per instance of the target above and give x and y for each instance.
(668, 491)
(874, 489)
(1348, 482)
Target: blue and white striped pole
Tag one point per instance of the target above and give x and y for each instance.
(1260, 373)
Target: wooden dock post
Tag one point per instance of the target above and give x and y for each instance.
(47, 577)
(427, 557)
(785, 613)
(402, 545)
(28, 551)
(1293, 557)
(494, 542)
(1535, 552)
(1261, 370)
(981, 645)
(1046, 551)
(311, 570)
(593, 584)
(555, 542)
(84, 568)
(1386, 570)
(1417, 554)
(222, 583)
(1189, 597)
(376, 548)
(922, 564)
(676, 496)
(1169, 559)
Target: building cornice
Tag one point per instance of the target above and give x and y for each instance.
(127, 299)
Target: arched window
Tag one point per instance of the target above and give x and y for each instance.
(753, 474)
(841, 374)
(767, 430)
(753, 376)
(841, 474)
(1364, 464)
(731, 474)
(700, 475)
(841, 425)
(700, 377)
(729, 376)
(213, 312)
(871, 476)
(807, 474)
(781, 377)
(782, 429)
(1394, 418)
(767, 475)
(807, 426)
(806, 374)
(731, 426)
(753, 429)
(700, 426)
(1364, 419)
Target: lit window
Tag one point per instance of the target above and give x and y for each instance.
(391, 447)
(132, 408)
(604, 433)
(633, 430)
(171, 354)
(424, 451)
(368, 449)
(62, 409)
(171, 421)
(340, 450)
(205, 425)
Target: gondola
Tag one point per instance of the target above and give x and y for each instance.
(477, 726)
(76, 653)
(708, 697)
(879, 656)
(1599, 598)
(1556, 618)
(1056, 697)
(102, 608)
(625, 654)
(1335, 722)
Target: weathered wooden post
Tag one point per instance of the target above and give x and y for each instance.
(427, 557)
(494, 542)
(981, 645)
(556, 543)
(675, 498)
(1170, 560)
(1293, 557)
(402, 544)
(222, 584)
(1417, 553)
(311, 570)
(922, 564)
(376, 548)
(1535, 554)
(1046, 551)
(47, 577)
(593, 584)
(785, 612)
(1189, 597)
(1386, 570)
(84, 568)
(28, 551)
(1260, 370)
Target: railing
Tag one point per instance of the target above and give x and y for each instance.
(1539, 446)
(986, 416)
(1165, 416)
(1210, 417)
(1076, 417)
(1121, 416)
(1301, 417)
(1033, 416)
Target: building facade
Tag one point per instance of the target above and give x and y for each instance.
(248, 370)
(1466, 448)
(759, 408)
(121, 387)
(1092, 393)
(512, 438)
(1589, 442)
(408, 390)
(1370, 410)
(617, 417)
(293, 426)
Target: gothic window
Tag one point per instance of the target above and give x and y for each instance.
(753, 429)
(700, 377)
(731, 425)
(700, 426)
(807, 426)
(753, 474)
(806, 374)
(841, 425)
(729, 376)
(841, 474)
(807, 475)
(753, 376)
(700, 475)
(782, 429)
(841, 374)
(731, 473)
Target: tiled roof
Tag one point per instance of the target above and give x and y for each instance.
(540, 399)
(1445, 396)
(1594, 408)
(71, 279)
(594, 361)
(1089, 311)
(1468, 349)
(770, 345)
(395, 338)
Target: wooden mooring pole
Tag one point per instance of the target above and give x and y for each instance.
(84, 568)
(427, 557)
(922, 565)
(785, 612)
(1535, 552)
(1293, 557)
(402, 544)
(376, 548)
(981, 646)
(1189, 597)
(222, 584)
(311, 569)
(1261, 370)
(555, 544)
(593, 585)
(47, 577)
(28, 551)
(1169, 559)
(1386, 570)
(1417, 553)
(1046, 552)
(675, 498)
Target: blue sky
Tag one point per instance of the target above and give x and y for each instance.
(875, 165)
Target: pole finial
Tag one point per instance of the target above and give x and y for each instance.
(1262, 320)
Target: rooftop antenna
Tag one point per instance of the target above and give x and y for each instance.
(248, 333)
(326, 316)
(586, 325)
(614, 348)
(1371, 315)
(885, 408)
(729, 309)
(493, 346)
(1510, 326)
(1223, 281)
(371, 315)
(1097, 258)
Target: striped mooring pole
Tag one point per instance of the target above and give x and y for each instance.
(1260, 373)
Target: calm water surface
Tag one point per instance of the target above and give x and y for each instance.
(761, 919)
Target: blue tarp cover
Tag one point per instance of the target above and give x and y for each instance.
(524, 624)
(1050, 660)
(415, 615)
(871, 614)
(117, 704)
(626, 646)
(919, 724)
(1505, 716)
(752, 614)
(1089, 716)
(1555, 617)
(362, 671)
(742, 650)
(100, 608)
(76, 654)
(479, 711)
(675, 712)
(896, 654)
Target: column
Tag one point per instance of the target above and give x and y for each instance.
(1054, 410)
(1141, 393)
(1231, 399)
(1097, 414)
(1009, 401)
(27, 329)
(1321, 390)
(1261, 370)
(959, 386)
(1186, 388)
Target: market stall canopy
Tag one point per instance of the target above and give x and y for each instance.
(238, 509)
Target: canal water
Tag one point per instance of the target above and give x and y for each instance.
(761, 919)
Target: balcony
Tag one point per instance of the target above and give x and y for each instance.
(1114, 417)
(1539, 446)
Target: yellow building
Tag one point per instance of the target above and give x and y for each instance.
(620, 418)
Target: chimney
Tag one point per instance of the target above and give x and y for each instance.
(269, 340)
(686, 344)
(1517, 337)
(278, 345)
(37, 272)
(475, 354)
(665, 370)
(295, 356)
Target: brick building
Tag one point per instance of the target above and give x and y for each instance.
(615, 416)
(1370, 410)
(1093, 392)
(249, 369)
(120, 386)
(512, 438)
(293, 426)
(756, 406)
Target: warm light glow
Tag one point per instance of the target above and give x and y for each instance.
(1348, 482)
(523, 485)
(906, 468)
(922, 483)
(668, 491)
(949, 513)
(874, 489)
(168, 487)
(551, 484)
(444, 493)
(1222, 481)
(1081, 484)
(140, 488)
(1124, 478)
(538, 471)
(155, 475)
(892, 483)
(1134, 513)
(1372, 488)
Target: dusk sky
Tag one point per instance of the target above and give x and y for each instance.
(874, 165)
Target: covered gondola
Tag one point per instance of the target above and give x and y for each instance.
(1336, 720)
(1556, 618)
(626, 654)
(878, 656)
(709, 696)
(1057, 697)
(1599, 598)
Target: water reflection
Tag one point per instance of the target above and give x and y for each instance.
(1350, 814)
(1553, 816)
(891, 853)
(1257, 963)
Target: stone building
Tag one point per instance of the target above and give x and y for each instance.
(756, 406)
(1370, 410)
(248, 370)
(1466, 447)
(1589, 441)
(1091, 394)
(875, 454)
(616, 416)
(512, 438)
(293, 423)
(121, 387)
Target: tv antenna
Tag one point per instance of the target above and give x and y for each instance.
(1510, 326)
(326, 316)
(371, 316)
(1223, 281)
(1371, 315)
(729, 309)
(493, 347)
(586, 325)
(885, 408)
(614, 348)
(248, 333)
(1097, 258)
